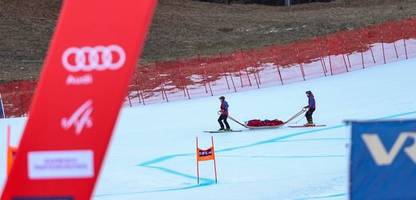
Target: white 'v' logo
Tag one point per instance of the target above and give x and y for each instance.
(384, 157)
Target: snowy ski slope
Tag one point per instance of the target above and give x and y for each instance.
(152, 154)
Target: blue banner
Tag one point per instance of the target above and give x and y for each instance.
(383, 160)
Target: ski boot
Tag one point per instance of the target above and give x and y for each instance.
(309, 124)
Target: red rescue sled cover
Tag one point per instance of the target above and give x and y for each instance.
(260, 123)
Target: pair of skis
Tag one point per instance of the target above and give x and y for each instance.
(223, 131)
(267, 127)
(307, 126)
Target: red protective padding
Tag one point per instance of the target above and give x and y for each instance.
(90, 62)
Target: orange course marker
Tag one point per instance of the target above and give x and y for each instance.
(205, 155)
(11, 151)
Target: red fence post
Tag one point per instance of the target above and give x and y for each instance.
(210, 88)
(256, 72)
(361, 46)
(232, 81)
(207, 82)
(257, 81)
(141, 95)
(395, 50)
(164, 92)
(302, 71)
(384, 54)
(226, 79)
(241, 78)
(224, 71)
(323, 65)
(382, 45)
(345, 62)
(280, 74)
(321, 53)
(346, 53)
(242, 56)
(330, 65)
(300, 63)
(248, 77)
(329, 55)
(404, 36)
(141, 99)
(405, 48)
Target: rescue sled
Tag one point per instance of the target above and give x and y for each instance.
(246, 125)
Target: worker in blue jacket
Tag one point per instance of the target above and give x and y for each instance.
(311, 108)
(223, 115)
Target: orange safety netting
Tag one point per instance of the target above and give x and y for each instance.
(249, 69)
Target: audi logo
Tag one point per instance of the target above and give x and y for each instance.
(98, 58)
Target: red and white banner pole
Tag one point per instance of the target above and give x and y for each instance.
(90, 62)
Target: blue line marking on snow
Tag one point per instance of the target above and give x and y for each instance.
(325, 197)
(161, 159)
(207, 182)
(294, 157)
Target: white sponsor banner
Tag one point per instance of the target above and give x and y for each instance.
(61, 164)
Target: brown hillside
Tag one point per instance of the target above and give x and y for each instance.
(184, 28)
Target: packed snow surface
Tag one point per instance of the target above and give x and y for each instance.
(152, 153)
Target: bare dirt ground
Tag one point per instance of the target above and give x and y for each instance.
(185, 28)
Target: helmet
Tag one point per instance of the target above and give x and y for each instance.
(222, 97)
(308, 92)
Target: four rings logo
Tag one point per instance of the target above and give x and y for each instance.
(87, 59)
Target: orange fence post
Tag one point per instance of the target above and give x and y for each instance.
(197, 160)
(215, 161)
(11, 151)
(8, 153)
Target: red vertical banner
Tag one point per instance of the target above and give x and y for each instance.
(90, 62)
